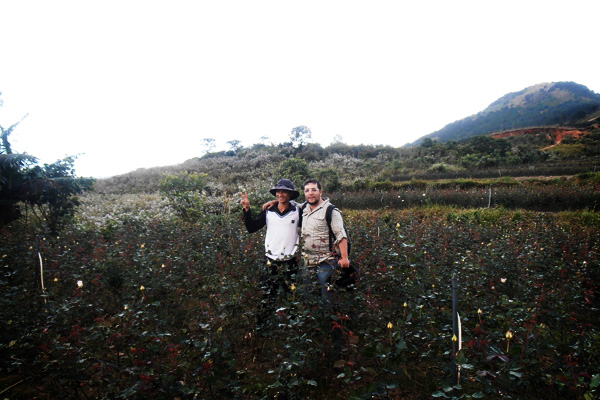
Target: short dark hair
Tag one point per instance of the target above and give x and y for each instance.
(312, 180)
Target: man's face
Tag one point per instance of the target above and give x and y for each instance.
(312, 193)
(283, 196)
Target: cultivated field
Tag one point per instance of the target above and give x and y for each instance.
(138, 302)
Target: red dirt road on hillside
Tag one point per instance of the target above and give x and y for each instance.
(558, 134)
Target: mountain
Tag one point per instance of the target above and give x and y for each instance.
(545, 104)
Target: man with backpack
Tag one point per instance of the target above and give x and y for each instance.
(325, 241)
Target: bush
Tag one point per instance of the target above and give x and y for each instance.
(539, 195)
(185, 193)
(161, 308)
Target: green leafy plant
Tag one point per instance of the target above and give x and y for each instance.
(139, 302)
(185, 193)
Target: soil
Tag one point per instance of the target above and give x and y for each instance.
(557, 133)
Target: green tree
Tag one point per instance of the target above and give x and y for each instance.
(300, 136)
(12, 175)
(235, 145)
(427, 143)
(483, 144)
(469, 161)
(329, 178)
(337, 139)
(12, 179)
(296, 170)
(50, 192)
(185, 193)
(208, 144)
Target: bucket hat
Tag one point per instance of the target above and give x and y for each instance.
(285, 184)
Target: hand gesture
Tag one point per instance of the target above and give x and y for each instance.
(269, 204)
(245, 202)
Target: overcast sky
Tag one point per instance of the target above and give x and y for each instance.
(133, 84)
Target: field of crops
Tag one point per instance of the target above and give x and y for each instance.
(137, 303)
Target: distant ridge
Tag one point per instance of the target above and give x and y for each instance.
(544, 104)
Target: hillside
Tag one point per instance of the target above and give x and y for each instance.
(545, 104)
(525, 152)
(520, 134)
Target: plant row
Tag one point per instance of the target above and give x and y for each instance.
(157, 307)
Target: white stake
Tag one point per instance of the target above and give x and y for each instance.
(42, 275)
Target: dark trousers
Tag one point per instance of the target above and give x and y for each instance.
(275, 279)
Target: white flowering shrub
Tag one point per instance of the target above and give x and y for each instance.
(102, 210)
(345, 165)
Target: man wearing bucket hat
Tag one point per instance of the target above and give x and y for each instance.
(281, 242)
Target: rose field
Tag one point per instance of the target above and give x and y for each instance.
(131, 300)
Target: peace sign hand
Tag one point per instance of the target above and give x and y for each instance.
(245, 202)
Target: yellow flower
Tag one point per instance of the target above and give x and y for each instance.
(142, 288)
(389, 325)
(479, 311)
(398, 225)
(293, 287)
(405, 305)
(454, 338)
(143, 245)
(509, 336)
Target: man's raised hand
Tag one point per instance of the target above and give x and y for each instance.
(245, 202)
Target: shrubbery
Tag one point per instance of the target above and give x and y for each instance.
(536, 194)
(144, 304)
(346, 167)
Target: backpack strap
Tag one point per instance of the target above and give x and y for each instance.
(328, 214)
